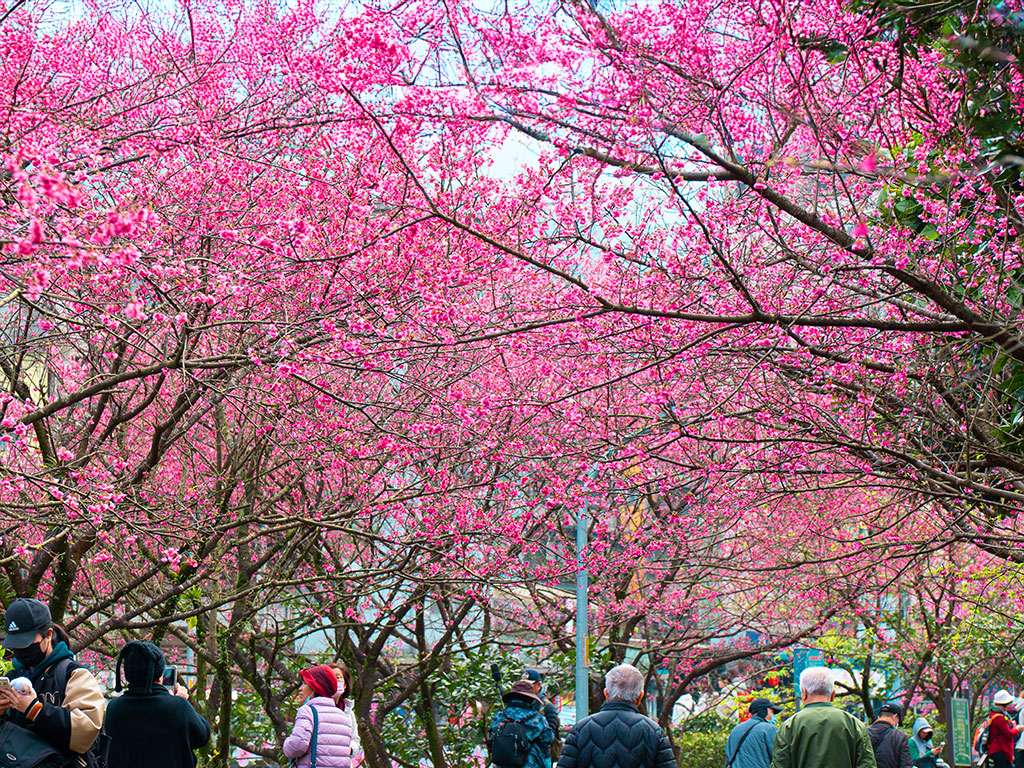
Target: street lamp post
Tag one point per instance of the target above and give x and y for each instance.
(583, 578)
(582, 585)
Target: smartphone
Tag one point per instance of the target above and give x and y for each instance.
(170, 678)
(5, 683)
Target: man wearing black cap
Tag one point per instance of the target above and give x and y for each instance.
(536, 679)
(750, 744)
(892, 747)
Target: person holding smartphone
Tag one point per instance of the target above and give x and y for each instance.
(922, 751)
(59, 699)
(152, 725)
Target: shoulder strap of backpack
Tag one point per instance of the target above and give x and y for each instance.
(878, 739)
(739, 743)
(62, 673)
(893, 734)
(312, 747)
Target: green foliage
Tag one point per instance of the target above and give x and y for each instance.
(983, 44)
(464, 701)
(707, 722)
(249, 722)
(701, 750)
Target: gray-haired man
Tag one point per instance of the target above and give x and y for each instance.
(618, 736)
(819, 735)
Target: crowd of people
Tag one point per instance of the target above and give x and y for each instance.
(53, 714)
(822, 735)
(819, 735)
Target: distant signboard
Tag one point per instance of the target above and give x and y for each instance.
(802, 659)
(960, 717)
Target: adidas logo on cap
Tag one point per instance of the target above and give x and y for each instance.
(12, 627)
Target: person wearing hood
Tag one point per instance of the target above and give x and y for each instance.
(889, 742)
(148, 726)
(922, 752)
(1001, 732)
(322, 734)
(523, 711)
(61, 701)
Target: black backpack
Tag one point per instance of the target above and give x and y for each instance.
(510, 747)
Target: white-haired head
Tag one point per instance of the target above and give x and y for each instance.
(624, 683)
(817, 683)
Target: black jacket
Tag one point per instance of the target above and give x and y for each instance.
(551, 715)
(892, 747)
(617, 737)
(154, 729)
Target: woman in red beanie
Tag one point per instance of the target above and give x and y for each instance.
(322, 735)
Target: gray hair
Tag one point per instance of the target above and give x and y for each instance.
(817, 681)
(624, 683)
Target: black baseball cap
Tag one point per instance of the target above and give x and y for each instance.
(533, 676)
(891, 709)
(763, 705)
(23, 620)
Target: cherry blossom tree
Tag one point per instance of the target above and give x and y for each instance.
(287, 351)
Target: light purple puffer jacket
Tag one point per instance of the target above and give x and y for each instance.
(334, 736)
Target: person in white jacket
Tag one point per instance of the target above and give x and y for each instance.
(345, 703)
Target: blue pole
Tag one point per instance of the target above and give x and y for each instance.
(582, 584)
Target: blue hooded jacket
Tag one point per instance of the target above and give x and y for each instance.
(537, 731)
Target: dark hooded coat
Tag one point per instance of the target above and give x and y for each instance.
(147, 726)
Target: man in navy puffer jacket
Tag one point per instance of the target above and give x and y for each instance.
(618, 736)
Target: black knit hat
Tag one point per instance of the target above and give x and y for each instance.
(142, 662)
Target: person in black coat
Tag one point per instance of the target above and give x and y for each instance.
(618, 736)
(891, 745)
(148, 727)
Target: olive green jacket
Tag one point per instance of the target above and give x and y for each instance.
(821, 736)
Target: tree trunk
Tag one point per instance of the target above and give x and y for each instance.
(224, 720)
(426, 704)
(374, 753)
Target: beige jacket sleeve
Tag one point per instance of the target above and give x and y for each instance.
(85, 702)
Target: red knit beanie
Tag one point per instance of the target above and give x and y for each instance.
(321, 679)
